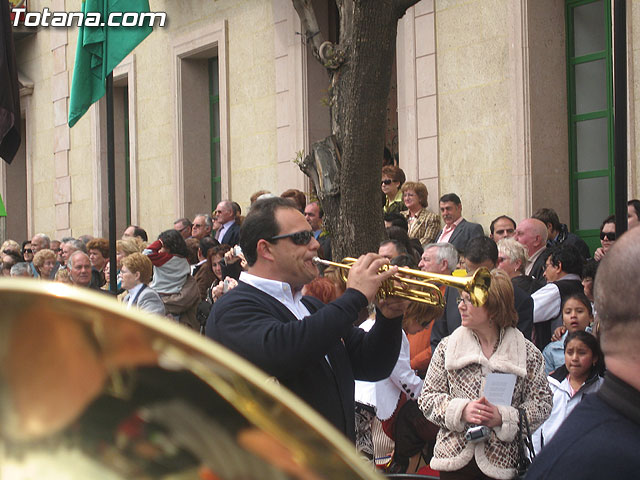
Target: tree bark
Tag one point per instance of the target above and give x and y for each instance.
(345, 168)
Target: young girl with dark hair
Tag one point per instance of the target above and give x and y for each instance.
(577, 314)
(580, 375)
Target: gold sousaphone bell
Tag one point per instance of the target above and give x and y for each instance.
(402, 285)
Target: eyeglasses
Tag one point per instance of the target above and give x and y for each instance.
(611, 236)
(298, 238)
(465, 300)
(27, 250)
(58, 250)
(386, 182)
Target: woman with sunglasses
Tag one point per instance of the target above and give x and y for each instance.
(453, 396)
(27, 252)
(607, 237)
(392, 179)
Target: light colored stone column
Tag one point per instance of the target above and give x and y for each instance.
(61, 143)
(417, 97)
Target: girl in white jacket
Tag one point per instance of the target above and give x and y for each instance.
(580, 375)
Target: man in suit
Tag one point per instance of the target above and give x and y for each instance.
(311, 348)
(457, 231)
(532, 233)
(226, 214)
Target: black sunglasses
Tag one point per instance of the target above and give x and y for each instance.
(27, 250)
(386, 182)
(611, 236)
(299, 238)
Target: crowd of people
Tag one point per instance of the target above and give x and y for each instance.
(400, 379)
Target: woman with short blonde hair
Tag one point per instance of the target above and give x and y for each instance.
(45, 261)
(423, 224)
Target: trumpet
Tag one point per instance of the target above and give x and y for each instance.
(402, 284)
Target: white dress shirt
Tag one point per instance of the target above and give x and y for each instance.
(547, 301)
(223, 230)
(280, 291)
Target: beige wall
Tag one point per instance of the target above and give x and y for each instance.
(481, 106)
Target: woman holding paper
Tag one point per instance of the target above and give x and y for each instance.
(454, 396)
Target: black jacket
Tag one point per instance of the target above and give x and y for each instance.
(260, 328)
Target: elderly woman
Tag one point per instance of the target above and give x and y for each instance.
(607, 237)
(135, 275)
(512, 258)
(453, 398)
(423, 224)
(44, 262)
(392, 180)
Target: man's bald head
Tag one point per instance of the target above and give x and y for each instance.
(616, 293)
(532, 233)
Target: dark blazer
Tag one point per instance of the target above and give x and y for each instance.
(464, 232)
(231, 236)
(260, 328)
(450, 319)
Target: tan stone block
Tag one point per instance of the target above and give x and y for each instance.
(282, 37)
(423, 7)
(62, 190)
(61, 162)
(61, 138)
(281, 10)
(62, 217)
(433, 188)
(63, 233)
(59, 86)
(58, 37)
(428, 157)
(59, 60)
(283, 107)
(286, 144)
(470, 22)
(283, 74)
(57, 5)
(426, 76)
(427, 117)
(425, 35)
(60, 112)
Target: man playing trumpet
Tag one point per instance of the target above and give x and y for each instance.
(311, 348)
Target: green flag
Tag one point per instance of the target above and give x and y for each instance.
(3, 211)
(100, 49)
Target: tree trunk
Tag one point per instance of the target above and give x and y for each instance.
(345, 168)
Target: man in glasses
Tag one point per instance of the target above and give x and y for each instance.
(563, 267)
(183, 225)
(311, 348)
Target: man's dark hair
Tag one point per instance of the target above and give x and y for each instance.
(235, 207)
(400, 247)
(590, 268)
(493, 223)
(450, 197)
(404, 260)
(206, 243)
(396, 220)
(636, 206)
(173, 241)
(481, 249)
(570, 258)
(261, 223)
(548, 215)
(139, 232)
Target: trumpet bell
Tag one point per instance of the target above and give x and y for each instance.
(91, 390)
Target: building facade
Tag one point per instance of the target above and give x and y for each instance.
(506, 102)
